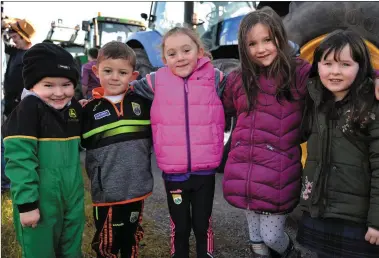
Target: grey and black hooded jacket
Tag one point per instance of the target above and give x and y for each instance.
(118, 142)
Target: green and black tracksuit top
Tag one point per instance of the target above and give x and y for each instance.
(37, 138)
(43, 165)
(118, 141)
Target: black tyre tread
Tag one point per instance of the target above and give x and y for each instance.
(226, 65)
(308, 20)
(143, 65)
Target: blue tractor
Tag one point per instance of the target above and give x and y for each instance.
(216, 22)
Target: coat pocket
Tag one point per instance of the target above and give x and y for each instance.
(94, 173)
(218, 140)
(99, 178)
(157, 138)
(309, 179)
(279, 151)
(32, 244)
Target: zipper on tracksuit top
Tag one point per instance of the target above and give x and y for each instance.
(187, 123)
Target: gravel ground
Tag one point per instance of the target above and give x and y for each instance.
(229, 223)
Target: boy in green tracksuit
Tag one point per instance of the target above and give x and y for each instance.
(41, 138)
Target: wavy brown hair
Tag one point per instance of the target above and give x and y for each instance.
(283, 68)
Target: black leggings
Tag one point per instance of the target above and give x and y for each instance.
(196, 195)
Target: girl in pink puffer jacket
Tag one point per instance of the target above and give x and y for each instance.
(187, 119)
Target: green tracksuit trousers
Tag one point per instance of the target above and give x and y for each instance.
(60, 228)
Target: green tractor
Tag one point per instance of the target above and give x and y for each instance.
(70, 38)
(94, 34)
(101, 30)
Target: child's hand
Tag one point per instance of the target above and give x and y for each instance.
(372, 236)
(377, 88)
(30, 218)
(83, 102)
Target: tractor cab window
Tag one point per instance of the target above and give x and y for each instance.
(167, 15)
(65, 34)
(208, 14)
(116, 31)
(80, 38)
(61, 34)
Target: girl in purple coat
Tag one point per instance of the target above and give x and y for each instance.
(266, 94)
(263, 170)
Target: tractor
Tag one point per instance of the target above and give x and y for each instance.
(70, 38)
(307, 23)
(94, 34)
(101, 30)
(216, 22)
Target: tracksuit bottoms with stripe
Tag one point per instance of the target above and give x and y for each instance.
(118, 229)
(190, 205)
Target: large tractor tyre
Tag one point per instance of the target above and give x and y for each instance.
(226, 65)
(227, 143)
(308, 20)
(143, 65)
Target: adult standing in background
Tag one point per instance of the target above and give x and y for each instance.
(21, 33)
(89, 79)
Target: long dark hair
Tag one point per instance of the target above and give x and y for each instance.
(283, 67)
(362, 90)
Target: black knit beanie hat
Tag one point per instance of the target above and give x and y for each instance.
(48, 60)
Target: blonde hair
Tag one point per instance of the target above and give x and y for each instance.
(190, 33)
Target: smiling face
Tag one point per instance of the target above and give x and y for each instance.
(338, 75)
(181, 54)
(115, 75)
(260, 45)
(55, 91)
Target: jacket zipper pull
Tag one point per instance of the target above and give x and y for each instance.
(186, 85)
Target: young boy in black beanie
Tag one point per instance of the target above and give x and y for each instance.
(41, 138)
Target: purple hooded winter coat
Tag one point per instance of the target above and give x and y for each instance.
(263, 169)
